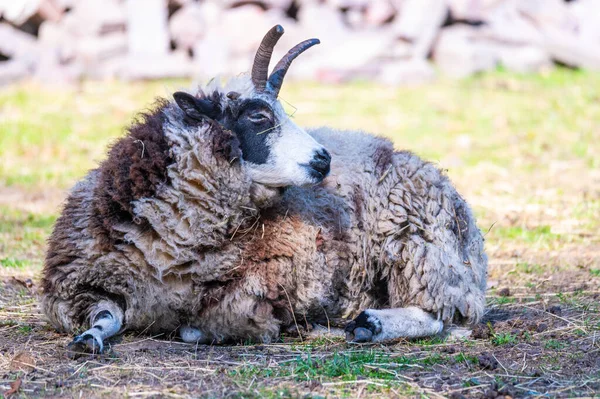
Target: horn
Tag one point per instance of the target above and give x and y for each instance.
(276, 79)
(260, 68)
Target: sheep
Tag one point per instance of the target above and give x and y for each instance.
(218, 217)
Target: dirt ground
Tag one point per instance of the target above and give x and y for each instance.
(531, 344)
(522, 150)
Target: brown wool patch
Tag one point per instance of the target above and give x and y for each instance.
(135, 167)
(383, 155)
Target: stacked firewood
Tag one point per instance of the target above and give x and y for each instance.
(391, 41)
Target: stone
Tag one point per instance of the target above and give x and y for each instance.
(548, 13)
(147, 32)
(20, 12)
(458, 52)
(523, 59)
(586, 13)
(406, 73)
(211, 57)
(356, 4)
(54, 37)
(354, 18)
(187, 26)
(17, 45)
(174, 65)
(231, 39)
(90, 50)
(179, 3)
(52, 70)
(13, 70)
(505, 24)
(95, 17)
(264, 4)
(379, 12)
(322, 21)
(471, 10)
(419, 24)
(359, 56)
(243, 27)
(278, 4)
(559, 29)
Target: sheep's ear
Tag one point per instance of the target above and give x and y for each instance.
(194, 107)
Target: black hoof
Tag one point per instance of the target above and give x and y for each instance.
(362, 335)
(84, 344)
(362, 329)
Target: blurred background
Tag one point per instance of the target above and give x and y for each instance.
(389, 41)
(503, 95)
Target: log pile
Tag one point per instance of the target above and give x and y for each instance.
(391, 41)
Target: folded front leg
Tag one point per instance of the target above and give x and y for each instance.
(106, 320)
(375, 325)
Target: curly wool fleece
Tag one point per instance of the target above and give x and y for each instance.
(177, 234)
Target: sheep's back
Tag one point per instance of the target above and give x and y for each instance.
(398, 201)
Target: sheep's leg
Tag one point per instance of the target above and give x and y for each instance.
(374, 325)
(106, 320)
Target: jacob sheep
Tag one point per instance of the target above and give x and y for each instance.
(213, 217)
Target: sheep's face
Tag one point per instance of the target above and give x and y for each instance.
(276, 152)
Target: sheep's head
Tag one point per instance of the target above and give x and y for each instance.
(275, 151)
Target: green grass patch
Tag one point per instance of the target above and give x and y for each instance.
(540, 234)
(554, 344)
(23, 237)
(343, 366)
(14, 263)
(504, 339)
(465, 358)
(530, 268)
(503, 300)
(429, 341)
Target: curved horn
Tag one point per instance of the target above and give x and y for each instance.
(260, 68)
(276, 78)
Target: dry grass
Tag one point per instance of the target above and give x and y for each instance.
(523, 151)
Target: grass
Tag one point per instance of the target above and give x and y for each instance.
(504, 339)
(348, 366)
(523, 150)
(554, 344)
(22, 237)
(485, 131)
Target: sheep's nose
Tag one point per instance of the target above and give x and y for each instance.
(322, 155)
(321, 162)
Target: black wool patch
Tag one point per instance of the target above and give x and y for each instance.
(253, 122)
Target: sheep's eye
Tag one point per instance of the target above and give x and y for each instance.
(258, 117)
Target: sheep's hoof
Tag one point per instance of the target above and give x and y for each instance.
(193, 335)
(362, 329)
(84, 344)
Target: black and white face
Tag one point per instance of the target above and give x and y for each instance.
(276, 152)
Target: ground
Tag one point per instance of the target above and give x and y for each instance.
(523, 150)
